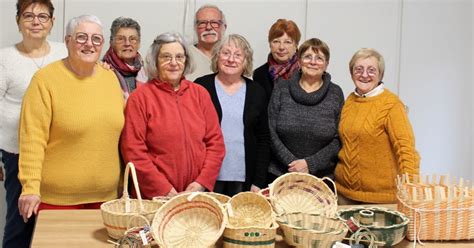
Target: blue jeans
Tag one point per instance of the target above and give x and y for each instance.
(17, 233)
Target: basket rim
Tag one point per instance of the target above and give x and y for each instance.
(299, 228)
(405, 219)
(104, 207)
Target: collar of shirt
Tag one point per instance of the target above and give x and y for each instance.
(375, 92)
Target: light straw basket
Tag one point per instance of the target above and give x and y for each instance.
(189, 220)
(303, 193)
(244, 237)
(438, 210)
(248, 209)
(311, 230)
(124, 213)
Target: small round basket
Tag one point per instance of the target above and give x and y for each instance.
(303, 193)
(124, 213)
(388, 226)
(238, 237)
(248, 209)
(189, 220)
(311, 230)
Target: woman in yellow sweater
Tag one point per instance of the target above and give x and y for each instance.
(70, 125)
(376, 135)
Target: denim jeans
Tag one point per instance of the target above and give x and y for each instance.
(17, 233)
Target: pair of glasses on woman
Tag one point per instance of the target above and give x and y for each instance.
(359, 70)
(167, 58)
(123, 39)
(309, 58)
(82, 38)
(30, 16)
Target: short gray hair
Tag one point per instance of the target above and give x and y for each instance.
(123, 22)
(210, 6)
(364, 53)
(151, 66)
(240, 42)
(75, 21)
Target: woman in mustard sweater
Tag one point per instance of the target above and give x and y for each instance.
(376, 135)
(70, 125)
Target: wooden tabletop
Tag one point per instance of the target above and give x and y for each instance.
(84, 228)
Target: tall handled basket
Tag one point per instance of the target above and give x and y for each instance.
(121, 214)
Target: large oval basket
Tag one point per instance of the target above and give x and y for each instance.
(248, 209)
(311, 230)
(189, 220)
(124, 213)
(302, 193)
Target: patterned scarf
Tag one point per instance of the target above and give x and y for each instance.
(285, 70)
(121, 69)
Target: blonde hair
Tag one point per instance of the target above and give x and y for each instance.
(240, 42)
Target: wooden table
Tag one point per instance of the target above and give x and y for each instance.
(84, 228)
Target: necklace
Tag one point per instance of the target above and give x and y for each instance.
(40, 65)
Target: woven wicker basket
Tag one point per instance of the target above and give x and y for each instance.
(248, 209)
(311, 230)
(302, 193)
(244, 237)
(189, 220)
(388, 226)
(122, 214)
(437, 209)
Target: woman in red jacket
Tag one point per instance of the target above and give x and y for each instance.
(172, 132)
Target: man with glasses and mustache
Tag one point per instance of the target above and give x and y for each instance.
(210, 26)
(70, 125)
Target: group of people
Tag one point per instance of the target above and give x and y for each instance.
(190, 117)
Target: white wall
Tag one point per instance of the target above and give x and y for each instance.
(435, 83)
(427, 45)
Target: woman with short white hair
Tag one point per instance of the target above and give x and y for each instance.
(71, 120)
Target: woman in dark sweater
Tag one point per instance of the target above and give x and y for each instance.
(241, 105)
(304, 115)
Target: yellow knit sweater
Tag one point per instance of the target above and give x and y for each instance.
(377, 144)
(69, 134)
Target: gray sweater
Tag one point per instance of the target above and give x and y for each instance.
(305, 126)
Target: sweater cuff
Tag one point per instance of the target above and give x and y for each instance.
(31, 188)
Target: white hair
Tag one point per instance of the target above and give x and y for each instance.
(75, 21)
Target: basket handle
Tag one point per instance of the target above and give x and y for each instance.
(139, 216)
(131, 167)
(333, 183)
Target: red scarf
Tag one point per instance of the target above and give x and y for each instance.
(122, 69)
(285, 70)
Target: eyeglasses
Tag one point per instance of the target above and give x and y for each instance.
(167, 58)
(96, 39)
(309, 58)
(228, 54)
(123, 39)
(213, 23)
(359, 70)
(286, 43)
(30, 16)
